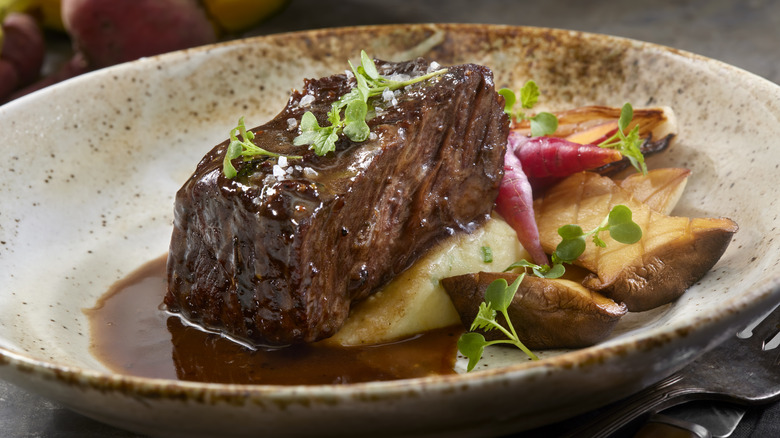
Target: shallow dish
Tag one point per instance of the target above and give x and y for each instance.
(92, 166)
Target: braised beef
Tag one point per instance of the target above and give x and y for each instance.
(277, 254)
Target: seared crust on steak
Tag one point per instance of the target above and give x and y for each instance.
(279, 260)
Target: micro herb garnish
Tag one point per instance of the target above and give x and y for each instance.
(487, 254)
(543, 123)
(628, 145)
(348, 114)
(618, 223)
(244, 148)
(541, 271)
(498, 296)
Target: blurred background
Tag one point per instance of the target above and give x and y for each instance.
(53, 40)
(45, 41)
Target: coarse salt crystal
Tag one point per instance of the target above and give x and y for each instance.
(292, 123)
(433, 67)
(400, 77)
(278, 171)
(282, 161)
(306, 101)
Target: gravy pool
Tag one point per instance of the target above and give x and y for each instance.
(132, 334)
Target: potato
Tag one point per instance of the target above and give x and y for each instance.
(8, 78)
(546, 313)
(415, 302)
(111, 32)
(674, 252)
(21, 54)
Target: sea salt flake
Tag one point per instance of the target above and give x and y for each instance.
(400, 77)
(306, 101)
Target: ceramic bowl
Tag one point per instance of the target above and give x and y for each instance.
(92, 165)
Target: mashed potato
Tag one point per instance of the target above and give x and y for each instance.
(415, 301)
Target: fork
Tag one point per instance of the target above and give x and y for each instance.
(740, 370)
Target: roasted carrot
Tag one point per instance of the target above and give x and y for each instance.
(515, 204)
(543, 157)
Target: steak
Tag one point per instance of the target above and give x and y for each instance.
(277, 254)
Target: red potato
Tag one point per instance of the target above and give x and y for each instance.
(109, 32)
(8, 78)
(75, 66)
(21, 55)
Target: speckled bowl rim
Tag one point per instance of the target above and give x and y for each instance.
(174, 389)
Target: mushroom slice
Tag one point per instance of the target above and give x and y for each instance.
(674, 252)
(546, 313)
(659, 189)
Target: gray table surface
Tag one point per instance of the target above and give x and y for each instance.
(742, 33)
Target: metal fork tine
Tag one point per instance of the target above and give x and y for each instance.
(736, 370)
(768, 328)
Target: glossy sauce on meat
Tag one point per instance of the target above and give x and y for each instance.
(132, 334)
(278, 254)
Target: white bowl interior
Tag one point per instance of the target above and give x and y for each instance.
(92, 166)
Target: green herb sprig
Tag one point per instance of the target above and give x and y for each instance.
(348, 114)
(543, 123)
(487, 254)
(498, 296)
(618, 223)
(244, 147)
(628, 144)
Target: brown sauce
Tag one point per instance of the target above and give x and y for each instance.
(133, 335)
